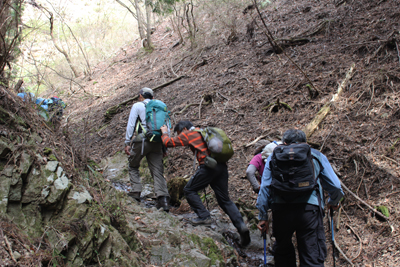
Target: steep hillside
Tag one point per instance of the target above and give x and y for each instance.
(232, 82)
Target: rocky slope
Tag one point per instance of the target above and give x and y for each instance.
(237, 82)
(54, 214)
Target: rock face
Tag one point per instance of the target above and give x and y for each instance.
(82, 220)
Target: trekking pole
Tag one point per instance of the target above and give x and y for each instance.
(264, 235)
(333, 238)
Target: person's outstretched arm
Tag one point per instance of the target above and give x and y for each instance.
(251, 176)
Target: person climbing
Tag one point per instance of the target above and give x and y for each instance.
(289, 170)
(257, 164)
(217, 178)
(55, 108)
(138, 146)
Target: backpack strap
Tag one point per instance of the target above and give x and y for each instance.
(319, 197)
(139, 122)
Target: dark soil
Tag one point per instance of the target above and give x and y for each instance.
(242, 77)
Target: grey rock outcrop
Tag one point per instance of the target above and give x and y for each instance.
(86, 221)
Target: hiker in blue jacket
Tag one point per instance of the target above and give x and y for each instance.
(302, 215)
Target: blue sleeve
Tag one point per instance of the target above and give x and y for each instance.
(263, 200)
(329, 181)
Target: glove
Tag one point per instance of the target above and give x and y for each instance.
(256, 189)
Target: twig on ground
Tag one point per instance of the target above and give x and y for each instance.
(348, 217)
(383, 217)
(372, 97)
(186, 107)
(45, 124)
(9, 247)
(383, 156)
(323, 143)
(234, 110)
(359, 240)
(172, 69)
(398, 53)
(223, 96)
(256, 140)
(151, 66)
(391, 194)
(338, 248)
(170, 33)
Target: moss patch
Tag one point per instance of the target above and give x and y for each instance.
(52, 157)
(211, 250)
(384, 210)
(47, 151)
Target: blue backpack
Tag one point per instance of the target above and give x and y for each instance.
(157, 115)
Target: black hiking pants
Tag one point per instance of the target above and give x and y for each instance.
(306, 221)
(218, 180)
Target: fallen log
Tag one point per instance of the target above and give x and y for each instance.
(313, 125)
(110, 112)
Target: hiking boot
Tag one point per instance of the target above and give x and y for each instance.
(199, 221)
(244, 238)
(135, 195)
(163, 202)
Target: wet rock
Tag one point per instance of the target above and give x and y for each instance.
(198, 258)
(61, 183)
(116, 168)
(160, 255)
(52, 166)
(82, 197)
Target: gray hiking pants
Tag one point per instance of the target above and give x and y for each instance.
(154, 155)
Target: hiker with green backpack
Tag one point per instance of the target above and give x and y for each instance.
(213, 149)
(292, 185)
(143, 139)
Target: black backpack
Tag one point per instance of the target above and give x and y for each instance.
(292, 171)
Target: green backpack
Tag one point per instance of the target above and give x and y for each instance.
(218, 143)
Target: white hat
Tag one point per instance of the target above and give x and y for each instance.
(268, 149)
(146, 90)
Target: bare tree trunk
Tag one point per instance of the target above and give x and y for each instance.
(177, 27)
(10, 19)
(148, 18)
(140, 20)
(62, 51)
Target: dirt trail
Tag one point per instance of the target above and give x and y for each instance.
(360, 136)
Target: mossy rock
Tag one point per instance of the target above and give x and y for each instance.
(384, 210)
(175, 189)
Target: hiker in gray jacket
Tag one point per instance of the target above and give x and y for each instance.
(137, 146)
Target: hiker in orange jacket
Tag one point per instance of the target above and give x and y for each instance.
(217, 178)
